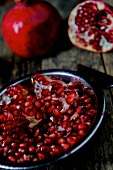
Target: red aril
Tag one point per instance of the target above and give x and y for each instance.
(91, 26)
(31, 29)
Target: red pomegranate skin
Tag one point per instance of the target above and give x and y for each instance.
(31, 29)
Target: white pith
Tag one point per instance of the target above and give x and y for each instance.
(5, 99)
(73, 28)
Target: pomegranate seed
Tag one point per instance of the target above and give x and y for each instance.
(61, 140)
(17, 154)
(69, 129)
(6, 148)
(92, 112)
(88, 123)
(70, 100)
(39, 138)
(47, 104)
(75, 127)
(9, 139)
(78, 121)
(43, 109)
(81, 132)
(54, 102)
(23, 145)
(54, 120)
(12, 158)
(70, 111)
(21, 159)
(65, 146)
(15, 136)
(21, 150)
(45, 92)
(51, 108)
(38, 148)
(89, 105)
(48, 98)
(6, 127)
(10, 116)
(32, 149)
(14, 145)
(11, 151)
(38, 104)
(56, 150)
(87, 100)
(12, 107)
(1, 149)
(72, 140)
(82, 126)
(39, 115)
(51, 129)
(2, 118)
(28, 104)
(84, 118)
(45, 148)
(29, 98)
(48, 140)
(53, 136)
(41, 156)
(60, 90)
(79, 110)
(65, 118)
(56, 112)
(36, 133)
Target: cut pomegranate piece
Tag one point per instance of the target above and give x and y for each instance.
(91, 26)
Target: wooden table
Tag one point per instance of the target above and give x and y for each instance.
(67, 57)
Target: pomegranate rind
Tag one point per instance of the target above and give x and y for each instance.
(73, 28)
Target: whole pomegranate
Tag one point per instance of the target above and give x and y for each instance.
(30, 28)
(91, 26)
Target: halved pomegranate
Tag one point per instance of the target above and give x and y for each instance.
(91, 26)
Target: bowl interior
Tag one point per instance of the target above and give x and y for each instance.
(66, 76)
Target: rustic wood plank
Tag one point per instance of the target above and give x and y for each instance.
(70, 58)
(108, 62)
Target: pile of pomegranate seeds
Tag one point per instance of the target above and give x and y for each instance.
(45, 118)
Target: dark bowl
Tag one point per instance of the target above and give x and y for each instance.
(65, 75)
